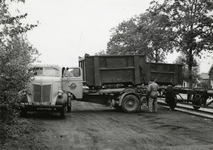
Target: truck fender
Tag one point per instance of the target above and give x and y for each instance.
(62, 100)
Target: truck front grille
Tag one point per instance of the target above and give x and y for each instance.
(42, 93)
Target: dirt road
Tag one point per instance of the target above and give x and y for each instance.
(95, 127)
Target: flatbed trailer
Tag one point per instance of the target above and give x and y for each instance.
(196, 97)
(121, 81)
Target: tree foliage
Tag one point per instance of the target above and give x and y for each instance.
(175, 25)
(181, 59)
(191, 23)
(101, 52)
(123, 39)
(144, 34)
(15, 53)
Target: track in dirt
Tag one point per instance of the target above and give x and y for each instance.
(90, 126)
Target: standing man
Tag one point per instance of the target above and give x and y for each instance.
(152, 90)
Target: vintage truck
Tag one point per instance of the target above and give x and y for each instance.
(44, 91)
(118, 81)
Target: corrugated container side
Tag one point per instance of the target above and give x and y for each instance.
(165, 73)
(108, 69)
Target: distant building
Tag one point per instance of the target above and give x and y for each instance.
(204, 78)
(186, 84)
(203, 81)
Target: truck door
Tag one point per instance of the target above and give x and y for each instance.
(72, 81)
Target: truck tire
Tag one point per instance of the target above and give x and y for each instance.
(69, 104)
(23, 113)
(130, 103)
(63, 112)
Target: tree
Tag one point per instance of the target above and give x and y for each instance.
(15, 53)
(156, 35)
(131, 37)
(123, 39)
(102, 52)
(181, 59)
(191, 22)
(144, 34)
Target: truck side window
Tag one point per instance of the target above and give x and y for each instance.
(72, 72)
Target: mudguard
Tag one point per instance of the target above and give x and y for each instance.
(62, 100)
(125, 92)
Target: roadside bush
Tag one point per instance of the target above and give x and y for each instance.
(15, 53)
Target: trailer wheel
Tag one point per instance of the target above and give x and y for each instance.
(63, 112)
(130, 103)
(197, 100)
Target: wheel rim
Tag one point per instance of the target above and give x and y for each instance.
(130, 103)
(197, 101)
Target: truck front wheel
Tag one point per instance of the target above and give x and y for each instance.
(23, 113)
(69, 104)
(130, 103)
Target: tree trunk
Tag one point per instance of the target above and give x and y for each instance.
(156, 56)
(190, 68)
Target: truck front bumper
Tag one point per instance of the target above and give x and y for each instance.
(35, 107)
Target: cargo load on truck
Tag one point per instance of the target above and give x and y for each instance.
(127, 70)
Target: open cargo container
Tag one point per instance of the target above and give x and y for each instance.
(127, 70)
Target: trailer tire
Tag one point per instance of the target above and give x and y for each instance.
(197, 100)
(130, 103)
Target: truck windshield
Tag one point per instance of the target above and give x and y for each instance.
(45, 71)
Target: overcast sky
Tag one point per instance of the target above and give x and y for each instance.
(70, 28)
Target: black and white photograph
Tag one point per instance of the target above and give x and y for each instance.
(106, 75)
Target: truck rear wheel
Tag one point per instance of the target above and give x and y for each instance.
(130, 103)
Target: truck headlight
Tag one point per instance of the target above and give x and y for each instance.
(25, 92)
(60, 93)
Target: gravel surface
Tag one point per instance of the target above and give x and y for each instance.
(95, 127)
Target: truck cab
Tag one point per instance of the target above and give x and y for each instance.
(72, 82)
(44, 90)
